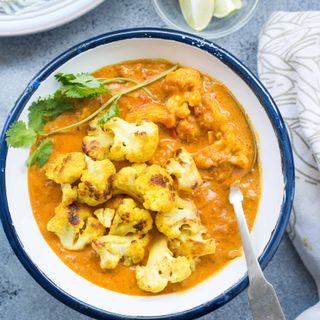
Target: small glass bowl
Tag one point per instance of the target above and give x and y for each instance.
(170, 12)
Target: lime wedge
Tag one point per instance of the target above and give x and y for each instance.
(223, 8)
(197, 13)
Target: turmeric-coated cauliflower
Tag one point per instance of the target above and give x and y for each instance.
(74, 226)
(112, 249)
(181, 221)
(130, 219)
(98, 142)
(69, 194)
(105, 216)
(193, 247)
(96, 182)
(183, 227)
(136, 142)
(151, 185)
(184, 169)
(66, 168)
(162, 268)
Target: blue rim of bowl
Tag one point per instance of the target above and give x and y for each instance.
(264, 98)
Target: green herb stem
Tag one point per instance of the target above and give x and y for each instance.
(123, 79)
(113, 98)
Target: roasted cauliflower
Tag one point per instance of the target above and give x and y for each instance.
(97, 143)
(151, 185)
(112, 249)
(161, 268)
(96, 182)
(130, 219)
(69, 194)
(136, 142)
(184, 169)
(74, 226)
(183, 227)
(66, 168)
(105, 216)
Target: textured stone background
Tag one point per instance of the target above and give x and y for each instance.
(21, 298)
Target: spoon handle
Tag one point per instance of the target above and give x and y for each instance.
(263, 299)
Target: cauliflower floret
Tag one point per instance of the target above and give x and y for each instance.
(112, 249)
(162, 268)
(188, 81)
(96, 182)
(74, 226)
(186, 86)
(66, 168)
(136, 142)
(228, 148)
(183, 220)
(69, 194)
(178, 106)
(153, 112)
(151, 185)
(130, 219)
(97, 143)
(184, 169)
(183, 227)
(105, 216)
(193, 248)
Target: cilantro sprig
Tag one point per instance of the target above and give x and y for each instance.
(113, 98)
(41, 154)
(113, 111)
(18, 135)
(81, 85)
(72, 86)
(46, 109)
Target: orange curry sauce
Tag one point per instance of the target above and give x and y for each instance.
(211, 199)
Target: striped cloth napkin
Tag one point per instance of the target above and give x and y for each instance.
(289, 66)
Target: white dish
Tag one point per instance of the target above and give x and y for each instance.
(276, 162)
(44, 17)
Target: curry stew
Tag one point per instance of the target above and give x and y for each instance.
(139, 204)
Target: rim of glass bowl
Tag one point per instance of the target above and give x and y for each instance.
(204, 34)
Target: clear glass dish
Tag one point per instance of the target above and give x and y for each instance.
(170, 12)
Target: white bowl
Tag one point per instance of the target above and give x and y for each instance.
(44, 16)
(276, 162)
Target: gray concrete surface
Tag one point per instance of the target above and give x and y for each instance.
(21, 298)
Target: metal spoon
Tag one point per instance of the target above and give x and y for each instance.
(263, 299)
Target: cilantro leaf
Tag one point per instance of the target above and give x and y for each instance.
(113, 111)
(18, 135)
(46, 109)
(80, 85)
(41, 154)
